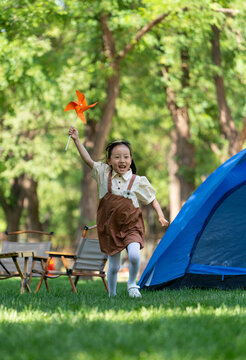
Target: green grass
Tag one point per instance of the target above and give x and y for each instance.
(185, 324)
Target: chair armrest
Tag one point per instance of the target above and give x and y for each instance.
(40, 257)
(60, 254)
(25, 253)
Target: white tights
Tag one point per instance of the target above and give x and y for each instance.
(114, 266)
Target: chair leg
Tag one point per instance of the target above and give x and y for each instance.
(105, 284)
(22, 289)
(76, 280)
(30, 275)
(72, 284)
(45, 278)
(43, 275)
(69, 273)
(46, 283)
(26, 282)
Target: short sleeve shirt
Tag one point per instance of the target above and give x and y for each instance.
(142, 191)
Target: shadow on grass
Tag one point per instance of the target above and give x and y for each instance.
(175, 337)
(89, 325)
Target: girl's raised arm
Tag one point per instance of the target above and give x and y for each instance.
(81, 149)
(161, 217)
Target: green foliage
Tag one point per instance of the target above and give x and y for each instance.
(49, 49)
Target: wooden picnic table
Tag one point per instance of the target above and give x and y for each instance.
(23, 274)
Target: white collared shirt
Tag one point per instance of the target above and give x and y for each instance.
(141, 190)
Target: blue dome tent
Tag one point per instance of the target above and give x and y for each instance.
(205, 246)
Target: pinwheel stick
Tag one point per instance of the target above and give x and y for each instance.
(70, 135)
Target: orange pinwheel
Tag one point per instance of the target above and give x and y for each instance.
(79, 106)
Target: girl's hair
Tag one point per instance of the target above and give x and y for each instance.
(111, 145)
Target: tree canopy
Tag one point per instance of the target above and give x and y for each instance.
(165, 58)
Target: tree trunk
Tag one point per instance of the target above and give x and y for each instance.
(13, 216)
(31, 203)
(227, 125)
(174, 183)
(88, 203)
(98, 134)
(23, 194)
(181, 160)
(13, 207)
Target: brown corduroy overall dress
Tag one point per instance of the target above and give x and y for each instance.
(119, 223)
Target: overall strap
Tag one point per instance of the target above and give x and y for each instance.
(110, 182)
(131, 182)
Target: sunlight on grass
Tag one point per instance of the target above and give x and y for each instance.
(172, 325)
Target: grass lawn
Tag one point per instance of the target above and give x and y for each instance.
(184, 324)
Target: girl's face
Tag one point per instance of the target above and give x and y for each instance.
(120, 159)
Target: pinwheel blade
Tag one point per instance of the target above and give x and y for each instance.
(81, 116)
(90, 106)
(79, 106)
(70, 106)
(81, 98)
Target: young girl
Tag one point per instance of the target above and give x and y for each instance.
(119, 217)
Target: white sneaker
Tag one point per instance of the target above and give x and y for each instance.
(134, 292)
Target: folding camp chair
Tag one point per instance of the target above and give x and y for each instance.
(89, 261)
(15, 257)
